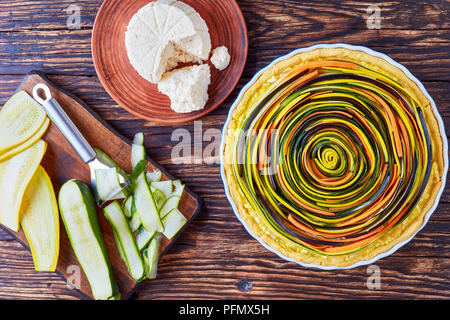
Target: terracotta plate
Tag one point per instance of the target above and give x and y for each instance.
(142, 98)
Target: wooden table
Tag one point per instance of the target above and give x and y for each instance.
(216, 258)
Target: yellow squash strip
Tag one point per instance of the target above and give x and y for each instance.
(40, 221)
(15, 175)
(20, 118)
(12, 152)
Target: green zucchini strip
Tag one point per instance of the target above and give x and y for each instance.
(173, 200)
(144, 237)
(127, 206)
(173, 222)
(125, 240)
(108, 184)
(151, 257)
(139, 138)
(135, 222)
(146, 206)
(154, 176)
(104, 158)
(137, 150)
(164, 186)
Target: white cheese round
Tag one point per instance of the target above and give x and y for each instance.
(163, 33)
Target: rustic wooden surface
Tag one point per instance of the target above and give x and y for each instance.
(215, 257)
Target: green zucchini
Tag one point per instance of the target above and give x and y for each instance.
(119, 248)
(78, 212)
(144, 237)
(151, 257)
(125, 240)
(173, 222)
(135, 222)
(137, 150)
(139, 138)
(104, 158)
(164, 186)
(169, 205)
(146, 206)
(154, 176)
(138, 169)
(159, 197)
(108, 184)
(127, 206)
(173, 200)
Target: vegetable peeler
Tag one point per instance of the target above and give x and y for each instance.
(86, 153)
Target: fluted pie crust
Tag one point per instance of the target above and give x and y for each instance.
(258, 227)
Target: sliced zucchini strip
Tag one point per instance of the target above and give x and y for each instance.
(125, 240)
(137, 150)
(78, 212)
(151, 257)
(173, 222)
(173, 200)
(127, 206)
(146, 206)
(20, 118)
(40, 221)
(119, 248)
(104, 158)
(21, 147)
(154, 176)
(139, 138)
(137, 154)
(164, 186)
(138, 169)
(135, 222)
(108, 184)
(144, 237)
(15, 174)
(159, 197)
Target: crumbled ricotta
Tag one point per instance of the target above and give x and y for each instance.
(220, 58)
(187, 87)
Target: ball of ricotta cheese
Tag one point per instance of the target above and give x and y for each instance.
(220, 58)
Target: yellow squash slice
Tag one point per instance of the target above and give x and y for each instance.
(12, 152)
(15, 175)
(40, 221)
(20, 118)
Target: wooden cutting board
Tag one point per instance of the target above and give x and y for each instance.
(62, 164)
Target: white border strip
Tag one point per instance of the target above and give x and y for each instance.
(370, 52)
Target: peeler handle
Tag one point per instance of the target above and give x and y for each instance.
(64, 124)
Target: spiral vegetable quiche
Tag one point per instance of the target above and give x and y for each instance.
(333, 156)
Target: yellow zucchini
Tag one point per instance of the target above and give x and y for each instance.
(20, 118)
(15, 175)
(40, 221)
(12, 152)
